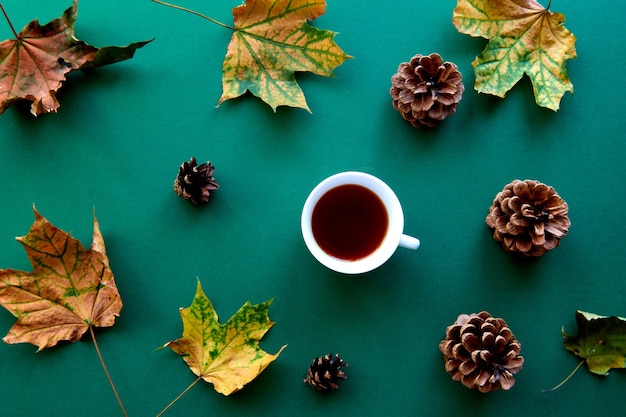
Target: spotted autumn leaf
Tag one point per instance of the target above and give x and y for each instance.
(271, 42)
(34, 65)
(70, 290)
(524, 38)
(225, 355)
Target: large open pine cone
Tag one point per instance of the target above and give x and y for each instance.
(426, 90)
(195, 182)
(481, 352)
(528, 217)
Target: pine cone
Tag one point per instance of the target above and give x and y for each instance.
(325, 372)
(481, 352)
(426, 90)
(195, 182)
(528, 217)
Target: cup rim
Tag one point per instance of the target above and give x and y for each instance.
(390, 241)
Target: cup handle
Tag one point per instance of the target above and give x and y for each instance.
(409, 242)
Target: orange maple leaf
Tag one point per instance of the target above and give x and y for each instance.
(33, 66)
(272, 40)
(70, 290)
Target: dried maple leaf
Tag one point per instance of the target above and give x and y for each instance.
(226, 355)
(524, 37)
(33, 66)
(271, 42)
(70, 290)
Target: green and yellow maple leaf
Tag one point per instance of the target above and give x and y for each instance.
(524, 37)
(272, 41)
(601, 342)
(225, 355)
(71, 289)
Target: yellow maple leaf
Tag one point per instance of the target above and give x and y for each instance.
(524, 37)
(225, 355)
(271, 42)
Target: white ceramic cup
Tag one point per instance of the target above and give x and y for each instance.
(393, 237)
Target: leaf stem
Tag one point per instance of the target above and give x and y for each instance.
(179, 396)
(210, 19)
(566, 379)
(117, 396)
(9, 20)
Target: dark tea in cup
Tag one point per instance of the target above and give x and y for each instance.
(349, 221)
(352, 222)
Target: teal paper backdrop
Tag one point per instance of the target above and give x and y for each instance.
(122, 131)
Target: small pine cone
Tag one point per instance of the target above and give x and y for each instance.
(528, 217)
(195, 182)
(426, 90)
(325, 372)
(481, 352)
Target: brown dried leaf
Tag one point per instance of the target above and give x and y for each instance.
(70, 290)
(33, 66)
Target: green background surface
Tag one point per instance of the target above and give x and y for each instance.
(122, 131)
